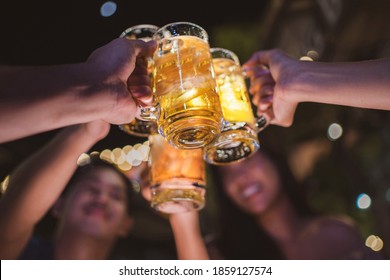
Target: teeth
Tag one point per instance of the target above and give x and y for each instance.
(250, 190)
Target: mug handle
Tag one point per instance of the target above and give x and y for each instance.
(148, 112)
(261, 123)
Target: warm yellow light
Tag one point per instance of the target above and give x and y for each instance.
(118, 156)
(313, 54)
(106, 155)
(370, 240)
(125, 166)
(126, 149)
(306, 58)
(374, 242)
(127, 157)
(83, 159)
(4, 184)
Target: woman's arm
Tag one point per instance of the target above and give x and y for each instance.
(189, 241)
(37, 183)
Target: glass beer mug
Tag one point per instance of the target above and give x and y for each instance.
(238, 139)
(178, 177)
(190, 114)
(144, 125)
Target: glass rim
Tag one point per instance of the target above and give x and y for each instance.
(228, 54)
(139, 26)
(205, 36)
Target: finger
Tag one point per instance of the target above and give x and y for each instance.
(135, 80)
(265, 91)
(258, 58)
(255, 71)
(142, 93)
(141, 48)
(265, 103)
(258, 83)
(148, 49)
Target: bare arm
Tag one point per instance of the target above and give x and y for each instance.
(37, 183)
(363, 84)
(189, 242)
(37, 99)
(279, 83)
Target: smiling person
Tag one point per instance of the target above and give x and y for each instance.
(263, 216)
(92, 211)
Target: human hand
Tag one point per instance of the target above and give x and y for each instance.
(121, 67)
(269, 73)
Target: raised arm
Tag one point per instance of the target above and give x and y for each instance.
(41, 98)
(279, 83)
(37, 183)
(188, 238)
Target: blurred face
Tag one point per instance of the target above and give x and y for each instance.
(97, 204)
(253, 184)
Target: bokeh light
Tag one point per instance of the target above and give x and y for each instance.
(124, 158)
(387, 195)
(374, 242)
(335, 131)
(306, 58)
(313, 54)
(4, 184)
(83, 159)
(108, 9)
(363, 201)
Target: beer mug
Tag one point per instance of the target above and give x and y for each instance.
(190, 114)
(143, 125)
(238, 139)
(178, 177)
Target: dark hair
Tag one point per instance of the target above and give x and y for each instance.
(95, 162)
(240, 237)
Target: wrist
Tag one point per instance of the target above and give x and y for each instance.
(184, 221)
(78, 135)
(106, 96)
(297, 83)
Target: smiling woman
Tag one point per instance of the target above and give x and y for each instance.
(263, 215)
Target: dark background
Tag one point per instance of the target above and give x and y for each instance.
(57, 32)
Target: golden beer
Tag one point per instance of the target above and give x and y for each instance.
(178, 177)
(236, 106)
(185, 88)
(238, 139)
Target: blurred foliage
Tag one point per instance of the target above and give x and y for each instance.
(242, 38)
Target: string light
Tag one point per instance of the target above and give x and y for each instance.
(124, 158)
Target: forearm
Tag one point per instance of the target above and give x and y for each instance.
(359, 84)
(36, 184)
(188, 238)
(38, 99)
